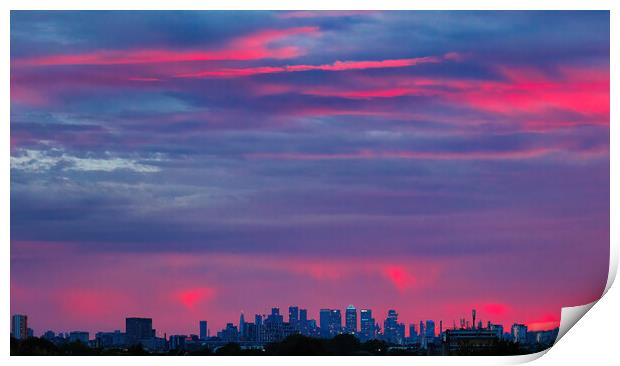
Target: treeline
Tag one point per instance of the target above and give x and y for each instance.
(295, 345)
(34, 346)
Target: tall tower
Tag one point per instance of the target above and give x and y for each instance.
(242, 326)
(351, 320)
(293, 317)
(203, 330)
(19, 326)
(473, 317)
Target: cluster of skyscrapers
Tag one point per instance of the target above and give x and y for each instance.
(274, 328)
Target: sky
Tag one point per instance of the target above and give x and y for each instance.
(188, 166)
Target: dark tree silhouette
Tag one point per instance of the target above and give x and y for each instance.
(229, 349)
(297, 345)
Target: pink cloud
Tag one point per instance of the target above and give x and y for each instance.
(367, 94)
(336, 66)
(249, 47)
(29, 96)
(529, 91)
(495, 308)
(399, 277)
(90, 302)
(416, 155)
(548, 321)
(264, 37)
(192, 297)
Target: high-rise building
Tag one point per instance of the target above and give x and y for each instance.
(139, 328)
(519, 333)
(203, 330)
(393, 331)
(350, 316)
(336, 322)
(367, 325)
(430, 329)
(498, 328)
(250, 332)
(293, 317)
(324, 318)
(242, 332)
(258, 322)
(303, 321)
(273, 327)
(413, 333)
(330, 322)
(19, 326)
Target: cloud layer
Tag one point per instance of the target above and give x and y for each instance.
(204, 163)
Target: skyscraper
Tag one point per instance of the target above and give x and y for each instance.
(392, 330)
(413, 333)
(367, 324)
(258, 321)
(203, 329)
(336, 322)
(273, 326)
(303, 321)
(350, 320)
(139, 328)
(519, 333)
(430, 329)
(330, 322)
(19, 326)
(241, 327)
(293, 317)
(324, 318)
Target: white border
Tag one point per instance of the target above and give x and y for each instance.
(598, 343)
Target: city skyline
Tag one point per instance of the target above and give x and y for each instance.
(187, 166)
(142, 327)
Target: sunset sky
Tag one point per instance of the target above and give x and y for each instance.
(192, 165)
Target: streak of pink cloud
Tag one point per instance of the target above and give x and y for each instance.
(249, 47)
(336, 66)
(367, 94)
(548, 321)
(264, 37)
(529, 91)
(416, 155)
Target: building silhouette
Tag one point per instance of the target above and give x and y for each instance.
(330, 322)
(203, 330)
(518, 333)
(19, 326)
(393, 331)
(350, 316)
(138, 329)
(367, 325)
